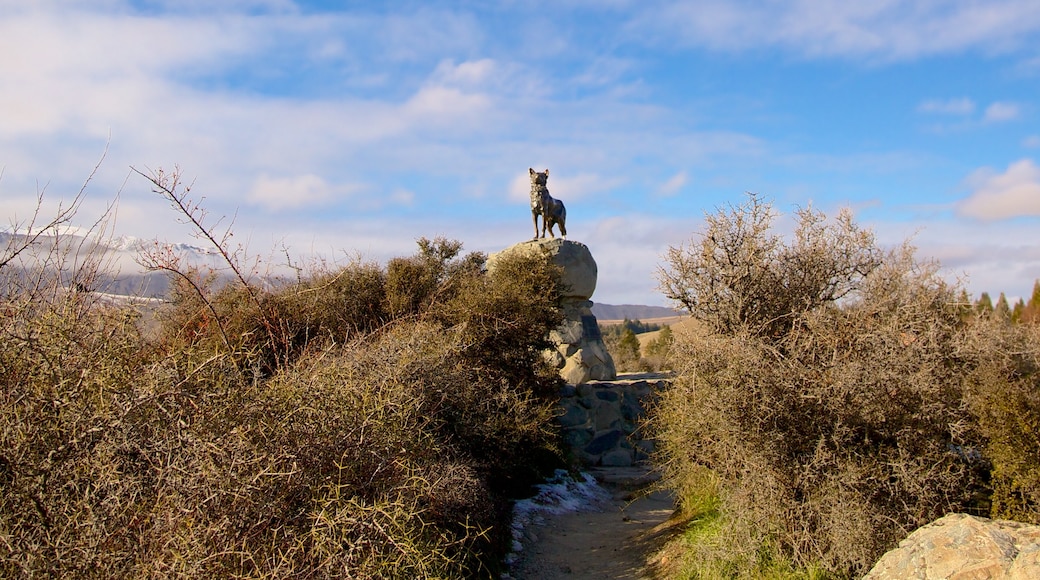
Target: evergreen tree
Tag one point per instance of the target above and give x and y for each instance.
(629, 345)
(1002, 310)
(1018, 311)
(660, 345)
(1032, 310)
(984, 305)
(964, 305)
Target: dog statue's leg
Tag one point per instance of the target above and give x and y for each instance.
(562, 220)
(534, 216)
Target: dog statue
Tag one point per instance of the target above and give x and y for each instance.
(543, 204)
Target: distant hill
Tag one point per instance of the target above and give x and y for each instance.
(630, 311)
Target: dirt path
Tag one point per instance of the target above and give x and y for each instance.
(612, 540)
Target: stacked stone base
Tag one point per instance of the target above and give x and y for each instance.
(580, 354)
(601, 422)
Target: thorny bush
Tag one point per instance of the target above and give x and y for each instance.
(333, 427)
(836, 398)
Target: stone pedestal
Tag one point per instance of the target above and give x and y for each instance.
(580, 354)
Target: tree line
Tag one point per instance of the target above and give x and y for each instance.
(1021, 311)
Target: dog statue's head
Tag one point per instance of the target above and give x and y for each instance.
(539, 178)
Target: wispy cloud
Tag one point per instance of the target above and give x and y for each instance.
(673, 185)
(963, 110)
(889, 30)
(1001, 111)
(299, 192)
(566, 187)
(956, 106)
(997, 196)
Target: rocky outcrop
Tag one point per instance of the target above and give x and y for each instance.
(963, 547)
(600, 421)
(579, 269)
(580, 354)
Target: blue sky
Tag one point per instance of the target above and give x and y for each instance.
(341, 129)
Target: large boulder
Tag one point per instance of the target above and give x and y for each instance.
(580, 355)
(579, 268)
(963, 547)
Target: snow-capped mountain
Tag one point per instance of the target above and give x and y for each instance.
(119, 259)
(134, 244)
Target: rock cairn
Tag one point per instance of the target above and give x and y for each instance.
(580, 354)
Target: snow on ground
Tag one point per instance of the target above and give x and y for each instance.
(560, 494)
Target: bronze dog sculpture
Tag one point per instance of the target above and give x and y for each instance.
(543, 204)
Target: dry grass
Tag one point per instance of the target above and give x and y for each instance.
(664, 321)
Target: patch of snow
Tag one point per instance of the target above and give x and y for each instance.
(120, 299)
(560, 494)
(126, 243)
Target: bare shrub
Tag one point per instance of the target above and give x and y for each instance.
(504, 419)
(826, 396)
(506, 316)
(741, 274)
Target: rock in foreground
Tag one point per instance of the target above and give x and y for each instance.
(963, 547)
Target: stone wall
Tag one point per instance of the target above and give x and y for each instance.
(600, 421)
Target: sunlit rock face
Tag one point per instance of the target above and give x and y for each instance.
(964, 546)
(580, 354)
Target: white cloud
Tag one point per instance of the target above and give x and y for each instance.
(996, 196)
(1000, 111)
(567, 187)
(957, 106)
(582, 185)
(303, 191)
(472, 74)
(441, 104)
(673, 185)
(994, 257)
(402, 197)
(520, 186)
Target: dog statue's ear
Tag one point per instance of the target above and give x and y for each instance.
(547, 171)
(531, 169)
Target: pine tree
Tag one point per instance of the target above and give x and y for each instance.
(1018, 311)
(660, 345)
(984, 305)
(1002, 310)
(630, 344)
(1032, 311)
(964, 305)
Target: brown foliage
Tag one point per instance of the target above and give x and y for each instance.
(303, 431)
(832, 428)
